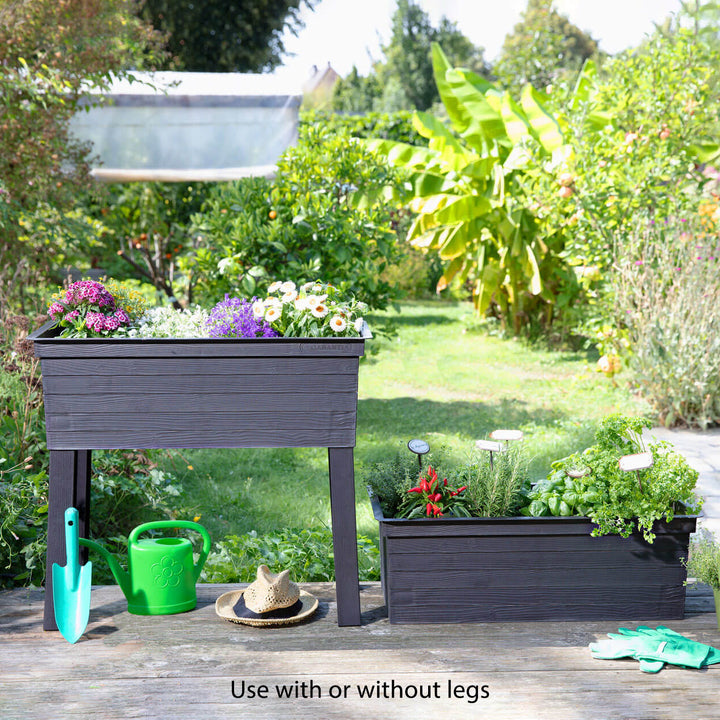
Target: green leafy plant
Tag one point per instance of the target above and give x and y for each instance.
(703, 562)
(307, 553)
(473, 194)
(593, 484)
(496, 487)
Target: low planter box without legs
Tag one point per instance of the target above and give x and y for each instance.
(453, 570)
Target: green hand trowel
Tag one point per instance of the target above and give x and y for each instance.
(71, 584)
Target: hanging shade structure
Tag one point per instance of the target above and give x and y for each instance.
(178, 127)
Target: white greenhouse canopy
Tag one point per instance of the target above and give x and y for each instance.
(181, 127)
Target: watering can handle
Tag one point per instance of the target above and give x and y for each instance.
(188, 525)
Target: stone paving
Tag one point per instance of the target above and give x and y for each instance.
(702, 451)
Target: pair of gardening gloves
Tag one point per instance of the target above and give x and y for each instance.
(654, 648)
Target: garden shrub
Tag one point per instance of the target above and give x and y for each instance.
(300, 226)
(390, 126)
(665, 300)
(307, 553)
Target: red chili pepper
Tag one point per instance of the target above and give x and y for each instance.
(464, 487)
(428, 509)
(415, 489)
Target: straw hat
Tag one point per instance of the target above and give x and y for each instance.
(270, 600)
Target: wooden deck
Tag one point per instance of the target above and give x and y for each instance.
(186, 666)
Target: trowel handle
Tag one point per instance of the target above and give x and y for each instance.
(72, 557)
(188, 525)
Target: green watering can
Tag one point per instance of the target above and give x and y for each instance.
(161, 575)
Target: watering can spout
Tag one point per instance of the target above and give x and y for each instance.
(122, 577)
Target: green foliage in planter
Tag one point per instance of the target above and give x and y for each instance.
(496, 489)
(307, 553)
(704, 560)
(390, 479)
(303, 225)
(617, 501)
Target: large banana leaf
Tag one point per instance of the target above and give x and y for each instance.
(545, 127)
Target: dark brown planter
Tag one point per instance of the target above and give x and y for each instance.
(457, 570)
(201, 393)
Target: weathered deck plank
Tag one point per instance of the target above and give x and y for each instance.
(183, 666)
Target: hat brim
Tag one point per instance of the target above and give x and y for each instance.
(225, 608)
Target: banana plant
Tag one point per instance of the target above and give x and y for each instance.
(472, 190)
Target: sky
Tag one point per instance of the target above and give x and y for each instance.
(350, 32)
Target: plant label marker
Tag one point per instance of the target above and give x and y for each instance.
(636, 462)
(506, 435)
(491, 446)
(420, 448)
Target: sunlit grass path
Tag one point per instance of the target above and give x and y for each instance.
(432, 380)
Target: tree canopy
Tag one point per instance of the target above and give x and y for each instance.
(225, 35)
(542, 48)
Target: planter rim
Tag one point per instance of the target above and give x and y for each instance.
(45, 334)
(445, 520)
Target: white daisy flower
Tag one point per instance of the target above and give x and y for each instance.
(319, 310)
(311, 301)
(273, 302)
(358, 324)
(289, 296)
(287, 286)
(338, 323)
(273, 314)
(306, 287)
(301, 304)
(317, 289)
(275, 286)
(258, 309)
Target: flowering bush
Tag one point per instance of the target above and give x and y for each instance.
(234, 318)
(86, 309)
(314, 309)
(433, 498)
(167, 322)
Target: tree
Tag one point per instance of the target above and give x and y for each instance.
(404, 81)
(543, 47)
(50, 51)
(225, 35)
(409, 53)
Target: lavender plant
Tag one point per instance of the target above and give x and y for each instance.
(234, 318)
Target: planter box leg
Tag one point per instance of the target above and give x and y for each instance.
(342, 508)
(69, 486)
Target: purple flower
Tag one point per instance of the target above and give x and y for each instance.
(234, 318)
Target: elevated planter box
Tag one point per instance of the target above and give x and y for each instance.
(114, 393)
(457, 570)
(186, 393)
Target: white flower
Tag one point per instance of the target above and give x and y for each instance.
(275, 286)
(258, 309)
(317, 289)
(311, 301)
(301, 304)
(358, 325)
(273, 302)
(289, 296)
(319, 310)
(338, 323)
(306, 287)
(287, 286)
(273, 314)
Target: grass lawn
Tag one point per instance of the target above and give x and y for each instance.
(433, 380)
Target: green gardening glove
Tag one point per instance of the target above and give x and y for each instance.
(713, 654)
(620, 646)
(654, 648)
